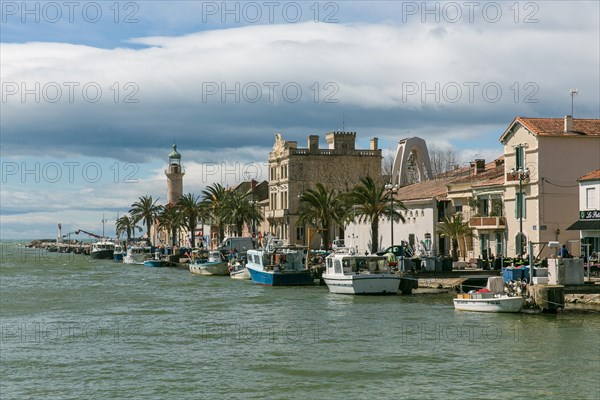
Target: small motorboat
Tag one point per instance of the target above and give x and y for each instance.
(155, 261)
(491, 299)
(237, 270)
(212, 263)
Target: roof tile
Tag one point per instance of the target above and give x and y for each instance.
(590, 176)
(555, 126)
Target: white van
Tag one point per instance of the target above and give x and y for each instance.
(238, 244)
(337, 244)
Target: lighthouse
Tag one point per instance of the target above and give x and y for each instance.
(174, 173)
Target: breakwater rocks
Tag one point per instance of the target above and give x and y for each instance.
(64, 247)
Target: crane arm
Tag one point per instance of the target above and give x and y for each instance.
(88, 233)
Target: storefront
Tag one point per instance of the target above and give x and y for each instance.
(588, 226)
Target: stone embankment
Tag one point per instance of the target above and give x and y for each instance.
(65, 247)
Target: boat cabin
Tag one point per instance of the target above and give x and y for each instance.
(346, 264)
(103, 246)
(133, 250)
(280, 260)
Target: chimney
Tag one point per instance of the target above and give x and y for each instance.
(374, 143)
(479, 166)
(313, 143)
(568, 123)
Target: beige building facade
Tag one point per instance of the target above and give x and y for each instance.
(551, 153)
(292, 170)
(530, 193)
(479, 198)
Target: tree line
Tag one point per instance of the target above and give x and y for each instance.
(216, 205)
(368, 201)
(319, 208)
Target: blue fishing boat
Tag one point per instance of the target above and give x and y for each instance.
(278, 265)
(119, 253)
(155, 261)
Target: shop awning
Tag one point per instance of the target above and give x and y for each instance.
(585, 225)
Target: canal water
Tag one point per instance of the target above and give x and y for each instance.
(76, 328)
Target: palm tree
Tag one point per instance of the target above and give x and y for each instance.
(215, 198)
(192, 211)
(370, 202)
(171, 219)
(320, 207)
(145, 209)
(454, 228)
(240, 209)
(128, 225)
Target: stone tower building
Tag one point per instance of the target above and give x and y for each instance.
(174, 173)
(293, 170)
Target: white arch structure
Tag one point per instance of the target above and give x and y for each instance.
(413, 152)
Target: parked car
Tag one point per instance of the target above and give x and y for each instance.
(397, 250)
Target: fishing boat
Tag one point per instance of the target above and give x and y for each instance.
(119, 253)
(494, 303)
(155, 261)
(350, 273)
(137, 255)
(278, 265)
(491, 299)
(208, 263)
(102, 249)
(237, 270)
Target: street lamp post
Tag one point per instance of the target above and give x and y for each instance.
(521, 174)
(252, 226)
(391, 190)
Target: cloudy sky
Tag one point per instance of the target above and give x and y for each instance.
(95, 93)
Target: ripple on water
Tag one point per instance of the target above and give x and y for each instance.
(89, 329)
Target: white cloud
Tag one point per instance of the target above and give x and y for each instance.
(391, 80)
(372, 65)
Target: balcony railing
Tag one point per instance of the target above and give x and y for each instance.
(488, 222)
(276, 213)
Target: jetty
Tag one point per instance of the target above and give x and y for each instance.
(62, 247)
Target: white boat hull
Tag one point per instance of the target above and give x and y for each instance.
(137, 260)
(363, 284)
(242, 274)
(210, 269)
(495, 304)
